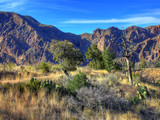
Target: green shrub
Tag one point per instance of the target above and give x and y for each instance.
(34, 85)
(44, 67)
(78, 81)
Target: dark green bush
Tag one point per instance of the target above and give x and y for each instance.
(34, 85)
(78, 81)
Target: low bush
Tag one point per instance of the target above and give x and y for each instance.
(78, 81)
(97, 98)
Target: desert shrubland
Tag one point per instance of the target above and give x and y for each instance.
(87, 94)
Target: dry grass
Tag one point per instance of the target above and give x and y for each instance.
(15, 105)
(32, 107)
(39, 107)
(24, 75)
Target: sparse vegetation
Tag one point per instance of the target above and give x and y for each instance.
(89, 94)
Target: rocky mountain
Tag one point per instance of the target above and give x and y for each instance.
(25, 40)
(143, 42)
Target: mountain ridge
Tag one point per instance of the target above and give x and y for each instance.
(137, 38)
(24, 40)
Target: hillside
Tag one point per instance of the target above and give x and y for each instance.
(25, 40)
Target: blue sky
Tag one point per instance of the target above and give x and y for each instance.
(80, 16)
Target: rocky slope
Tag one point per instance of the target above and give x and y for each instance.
(24, 40)
(143, 42)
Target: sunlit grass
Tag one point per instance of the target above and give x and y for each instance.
(24, 105)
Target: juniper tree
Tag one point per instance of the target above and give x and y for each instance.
(65, 54)
(108, 58)
(95, 56)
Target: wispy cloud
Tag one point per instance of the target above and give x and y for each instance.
(134, 20)
(146, 17)
(8, 5)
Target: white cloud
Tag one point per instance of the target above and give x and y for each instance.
(133, 20)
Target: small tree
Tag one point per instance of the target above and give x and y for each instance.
(108, 58)
(65, 54)
(95, 55)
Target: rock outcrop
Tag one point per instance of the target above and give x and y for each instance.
(143, 42)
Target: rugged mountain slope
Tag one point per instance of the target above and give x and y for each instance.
(25, 40)
(144, 42)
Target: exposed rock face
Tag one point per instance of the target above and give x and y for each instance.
(25, 40)
(144, 42)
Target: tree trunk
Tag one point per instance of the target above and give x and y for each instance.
(66, 73)
(129, 70)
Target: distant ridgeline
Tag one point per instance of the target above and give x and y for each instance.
(24, 40)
